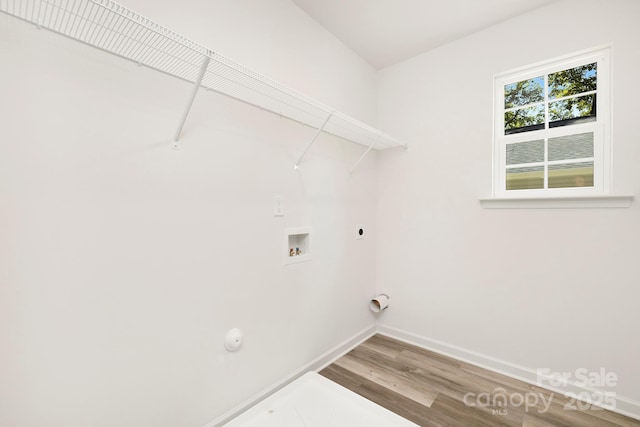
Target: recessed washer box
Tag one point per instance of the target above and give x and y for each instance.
(297, 245)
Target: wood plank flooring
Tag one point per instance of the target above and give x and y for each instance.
(429, 389)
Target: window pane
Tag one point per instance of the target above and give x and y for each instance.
(524, 119)
(573, 81)
(524, 92)
(525, 152)
(525, 178)
(571, 175)
(571, 147)
(572, 111)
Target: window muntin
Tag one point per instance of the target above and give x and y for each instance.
(556, 99)
(551, 120)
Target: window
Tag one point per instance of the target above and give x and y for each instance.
(551, 130)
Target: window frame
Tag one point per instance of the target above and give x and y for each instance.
(601, 127)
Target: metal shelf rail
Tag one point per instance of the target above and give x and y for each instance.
(113, 28)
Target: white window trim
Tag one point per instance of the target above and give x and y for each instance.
(597, 196)
(591, 202)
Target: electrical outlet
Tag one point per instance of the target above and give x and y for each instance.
(360, 231)
(278, 206)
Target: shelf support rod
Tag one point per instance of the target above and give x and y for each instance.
(313, 140)
(365, 154)
(194, 91)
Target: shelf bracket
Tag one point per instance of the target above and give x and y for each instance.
(365, 154)
(297, 165)
(194, 91)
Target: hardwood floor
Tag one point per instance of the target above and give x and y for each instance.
(434, 390)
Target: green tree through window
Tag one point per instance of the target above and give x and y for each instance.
(551, 128)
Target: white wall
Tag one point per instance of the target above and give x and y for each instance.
(123, 262)
(538, 288)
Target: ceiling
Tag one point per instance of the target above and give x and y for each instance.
(385, 32)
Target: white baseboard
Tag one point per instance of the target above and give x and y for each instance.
(624, 405)
(315, 365)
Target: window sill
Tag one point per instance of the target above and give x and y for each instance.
(558, 202)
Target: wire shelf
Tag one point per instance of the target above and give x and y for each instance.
(111, 27)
